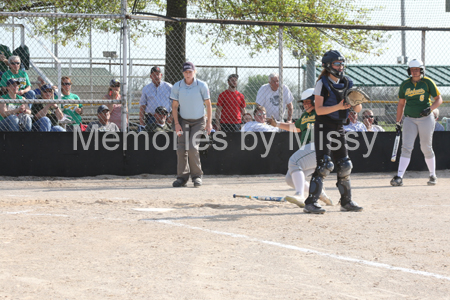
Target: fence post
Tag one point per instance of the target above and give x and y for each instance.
(124, 70)
(423, 46)
(280, 87)
(310, 71)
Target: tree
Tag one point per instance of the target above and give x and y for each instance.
(76, 29)
(253, 84)
(175, 40)
(216, 80)
(306, 40)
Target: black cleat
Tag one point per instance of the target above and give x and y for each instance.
(179, 183)
(351, 206)
(432, 181)
(314, 208)
(397, 181)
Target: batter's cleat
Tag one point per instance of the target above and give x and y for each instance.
(433, 180)
(197, 182)
(351, 206)
(324, 197)
(397, 181)
(297, 200)
(179, 183)
(314, 208)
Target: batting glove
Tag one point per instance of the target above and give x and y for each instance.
(426, 112)
(398, 127)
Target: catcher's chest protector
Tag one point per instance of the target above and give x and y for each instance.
(335, 93)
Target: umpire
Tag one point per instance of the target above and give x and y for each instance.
(190, 96)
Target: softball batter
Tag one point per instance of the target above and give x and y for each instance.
(415, 103)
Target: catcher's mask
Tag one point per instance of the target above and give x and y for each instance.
(306, 95)
(415, 63)
(328, 58)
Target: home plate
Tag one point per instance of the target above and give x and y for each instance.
(153, 209)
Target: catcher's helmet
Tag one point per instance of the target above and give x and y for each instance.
(415, 63)
(307, 95)
(328, 58)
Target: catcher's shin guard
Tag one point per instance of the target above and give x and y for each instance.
(344, 169)
(324, 167)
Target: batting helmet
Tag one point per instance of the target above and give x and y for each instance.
(328, 59)
(307, 95)
(415, 63)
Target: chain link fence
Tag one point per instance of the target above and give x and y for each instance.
(112, 66)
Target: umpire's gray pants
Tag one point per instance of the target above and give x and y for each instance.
(304, 159)
(188, 162)
(425, 127)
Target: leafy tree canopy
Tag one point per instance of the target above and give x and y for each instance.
(255, 38)
(75, 29)
(303, 39)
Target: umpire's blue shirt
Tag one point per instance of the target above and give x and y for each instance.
(190, 98)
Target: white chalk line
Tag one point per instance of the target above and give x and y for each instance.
(291, 247)
(305, 250)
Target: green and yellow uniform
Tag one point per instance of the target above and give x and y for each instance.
(303, 123)
(418, 95)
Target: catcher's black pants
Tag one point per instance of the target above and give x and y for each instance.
(329, 139)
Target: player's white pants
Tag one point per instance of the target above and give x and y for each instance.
(422, 126)
(304, 159)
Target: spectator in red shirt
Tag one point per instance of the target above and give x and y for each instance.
(230, 107)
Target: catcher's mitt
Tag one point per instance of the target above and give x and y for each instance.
(355, 96)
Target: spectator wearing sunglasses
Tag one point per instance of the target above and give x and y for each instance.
(74, 111)
(47, 116)
(368, 120)
(115, 109)
(20, 75)
(259, 125)
(354, 124)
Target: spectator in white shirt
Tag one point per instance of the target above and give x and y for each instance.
(269, 97)
(368, 120)
(259, 125)
(354, 125)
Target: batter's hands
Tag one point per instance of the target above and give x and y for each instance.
(426, 112)
(272, 122)
(398, 127)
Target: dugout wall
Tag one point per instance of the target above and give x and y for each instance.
(43, 154)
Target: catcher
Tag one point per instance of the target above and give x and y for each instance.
(303, 162)
(332, 111)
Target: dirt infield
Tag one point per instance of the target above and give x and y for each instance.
(138, 238)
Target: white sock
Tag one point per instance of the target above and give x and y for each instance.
(402, 166)
(431, 163)
(299, 182)
(306, 187)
